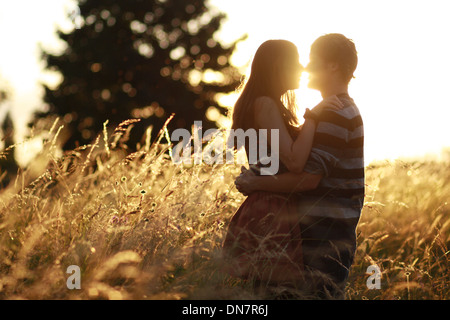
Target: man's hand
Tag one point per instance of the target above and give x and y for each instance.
(244, 182)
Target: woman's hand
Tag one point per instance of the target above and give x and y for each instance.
(331, 102)
(244, 182)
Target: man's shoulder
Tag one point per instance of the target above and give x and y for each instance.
(350, 109)
(347, 118)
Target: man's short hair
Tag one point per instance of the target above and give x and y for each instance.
(335, 47)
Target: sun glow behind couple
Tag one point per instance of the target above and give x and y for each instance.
(402, 70)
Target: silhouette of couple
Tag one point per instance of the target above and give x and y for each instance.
(296, 229)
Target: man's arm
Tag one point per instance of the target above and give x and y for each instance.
(287, 182)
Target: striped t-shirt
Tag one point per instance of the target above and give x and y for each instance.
(337, 154)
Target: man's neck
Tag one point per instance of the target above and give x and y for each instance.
(335, 89)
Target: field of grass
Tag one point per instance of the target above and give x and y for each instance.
(141, 227)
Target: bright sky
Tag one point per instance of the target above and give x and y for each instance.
(401, 81)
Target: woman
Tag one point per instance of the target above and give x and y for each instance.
(263, 242)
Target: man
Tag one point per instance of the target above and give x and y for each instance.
(330, 189)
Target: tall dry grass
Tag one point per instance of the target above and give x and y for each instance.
(141, 227)
(404, 229)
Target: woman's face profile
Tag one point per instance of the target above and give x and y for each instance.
(291, 72)
(317, 71)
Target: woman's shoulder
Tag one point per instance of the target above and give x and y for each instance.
(264, 111)
(265, 106)
(265, 102)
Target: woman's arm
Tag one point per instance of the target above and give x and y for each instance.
(293, 154)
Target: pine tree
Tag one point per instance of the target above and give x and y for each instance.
(138, 59)
(8, 164)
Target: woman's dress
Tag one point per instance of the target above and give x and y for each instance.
(263, 241)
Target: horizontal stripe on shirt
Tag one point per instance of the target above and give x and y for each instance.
(338, 131)
(327, 139)
(340, 120)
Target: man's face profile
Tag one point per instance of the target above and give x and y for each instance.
(317, 71)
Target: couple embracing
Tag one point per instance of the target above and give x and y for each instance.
(296, 228)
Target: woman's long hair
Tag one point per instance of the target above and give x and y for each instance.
(265, 78)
